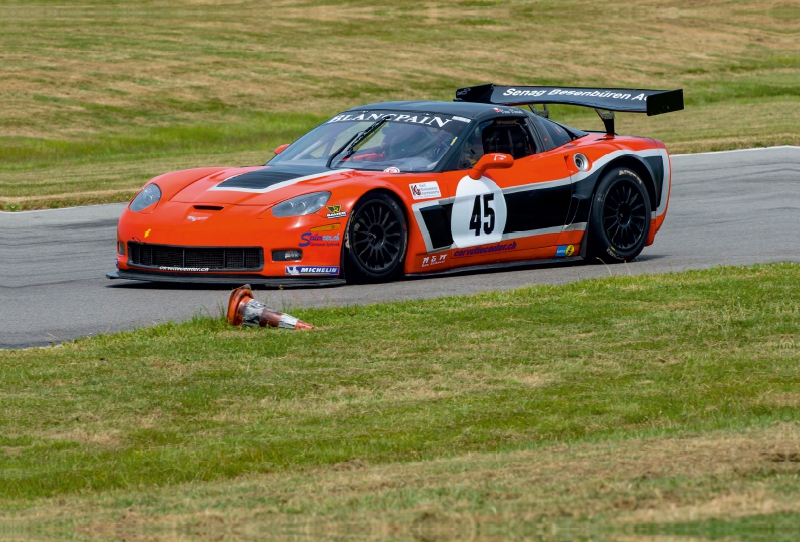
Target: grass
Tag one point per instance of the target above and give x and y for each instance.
(657, 400)
(97, 97)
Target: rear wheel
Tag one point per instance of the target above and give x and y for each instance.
(620, 218)
(377, 239)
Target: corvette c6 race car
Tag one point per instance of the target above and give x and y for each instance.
(414, 188)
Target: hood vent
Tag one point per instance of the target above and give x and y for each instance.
(264, 178)
(257, 180)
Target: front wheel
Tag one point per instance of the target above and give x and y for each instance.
(377, 239)
(620, 218)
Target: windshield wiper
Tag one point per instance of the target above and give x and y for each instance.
(351, 143)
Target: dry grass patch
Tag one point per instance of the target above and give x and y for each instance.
(105, 88)
(720, 475)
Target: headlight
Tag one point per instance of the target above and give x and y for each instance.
(147, 197)
(301, 205)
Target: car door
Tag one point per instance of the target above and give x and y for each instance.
(507, 211)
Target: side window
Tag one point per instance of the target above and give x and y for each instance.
(507, 136)
(556, 133)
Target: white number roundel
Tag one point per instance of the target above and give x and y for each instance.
(479, 213)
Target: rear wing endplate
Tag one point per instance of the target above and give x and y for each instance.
(604, 100)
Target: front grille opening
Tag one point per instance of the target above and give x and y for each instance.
(213, 259)
(208, 207)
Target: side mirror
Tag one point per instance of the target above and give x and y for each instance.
(282, 148)
(494, 160)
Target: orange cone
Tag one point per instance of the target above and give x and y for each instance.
(243, 310)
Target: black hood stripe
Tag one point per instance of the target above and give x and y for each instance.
(262, 179)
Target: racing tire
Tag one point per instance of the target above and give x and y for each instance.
(376, 240)
(619, 221)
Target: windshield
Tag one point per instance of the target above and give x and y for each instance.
(406, 142)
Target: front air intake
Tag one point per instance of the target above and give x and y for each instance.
(171, 258)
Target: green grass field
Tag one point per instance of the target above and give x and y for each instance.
(97, 97)
(649, 400)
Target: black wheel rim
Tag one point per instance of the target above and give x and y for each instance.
(377, 237)
(624, 217)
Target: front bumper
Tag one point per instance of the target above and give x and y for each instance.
(226, 279)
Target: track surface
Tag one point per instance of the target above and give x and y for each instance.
(736, 208)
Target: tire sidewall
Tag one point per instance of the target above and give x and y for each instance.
(599, 246)
(354, 269)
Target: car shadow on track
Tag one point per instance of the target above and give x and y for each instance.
(528, 266)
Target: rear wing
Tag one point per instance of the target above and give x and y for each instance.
(604, 100)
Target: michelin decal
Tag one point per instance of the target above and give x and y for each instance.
(300, 270)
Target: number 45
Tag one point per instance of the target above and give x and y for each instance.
(476, 220)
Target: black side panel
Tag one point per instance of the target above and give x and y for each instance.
(656, 164)
(536, 209)
(437, 221)
(264, 178)
(582, 197)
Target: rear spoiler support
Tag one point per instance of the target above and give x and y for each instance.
(603, 100)
(608, 120)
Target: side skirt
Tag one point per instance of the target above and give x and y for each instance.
(499, 265)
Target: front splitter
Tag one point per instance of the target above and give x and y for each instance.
(206, 278)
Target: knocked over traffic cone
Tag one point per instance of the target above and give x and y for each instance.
(243, 310)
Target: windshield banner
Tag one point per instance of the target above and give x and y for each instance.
(433, 119)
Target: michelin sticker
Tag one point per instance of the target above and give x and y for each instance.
(479, 213)
(299, 270)
(425, 190)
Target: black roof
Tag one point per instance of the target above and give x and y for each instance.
(466, 109)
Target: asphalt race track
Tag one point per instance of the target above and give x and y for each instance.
(738, 208)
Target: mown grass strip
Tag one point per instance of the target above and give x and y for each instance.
(399, 382)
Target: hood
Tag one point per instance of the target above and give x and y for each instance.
(262, 185)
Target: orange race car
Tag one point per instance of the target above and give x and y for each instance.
(414, 188)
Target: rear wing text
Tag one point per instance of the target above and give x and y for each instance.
(604, 100)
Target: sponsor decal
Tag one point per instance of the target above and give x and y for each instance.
(477, 251)
(299, 270)
(461, 119)
(147, 233)
(565, 251)
(437, 121)
(391, 169)
(580, 92)
(335, 211)
(425, 190)
(193, 218)
(313, 239)
(428, 261)
(505, 111)
(182, 269)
